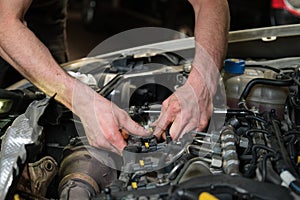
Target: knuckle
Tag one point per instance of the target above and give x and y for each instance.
(203, 124)
(188, 115)
(175, 107)
(165, 104)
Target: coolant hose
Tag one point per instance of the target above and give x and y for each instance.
(263, 81)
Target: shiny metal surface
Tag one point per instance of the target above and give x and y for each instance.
(24, 130)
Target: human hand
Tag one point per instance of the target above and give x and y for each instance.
(189, 108)
(104, 122)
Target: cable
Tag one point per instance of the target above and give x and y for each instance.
(290, 143)
(264, 67)
(247, 133)
(257, 118)
(252, 166)
(290, 180)
(286, 160)
(264, 165)
(292, 132)
(295, 186)
(249, 147)
(260, 146)
(248, 136)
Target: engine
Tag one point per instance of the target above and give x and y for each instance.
(249, 151)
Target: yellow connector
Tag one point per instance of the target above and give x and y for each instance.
(147, 145)
(298, 159)
(206, 196)
(16, 197)
(151, 130)
(142, 163)
(134, 185)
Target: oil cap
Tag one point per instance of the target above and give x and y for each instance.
(234, 66)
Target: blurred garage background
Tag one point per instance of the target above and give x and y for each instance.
(92, 21)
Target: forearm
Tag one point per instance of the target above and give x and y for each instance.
(101, 119)
(211, 30)
(20, 47)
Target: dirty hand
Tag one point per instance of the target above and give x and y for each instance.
(189, 108)
(103, 121)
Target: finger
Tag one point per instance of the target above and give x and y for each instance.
(203, 123)
(169, 111)
(109, 135)
(162, 112)
(177, 127)
(158, 133)
(165, 104)
(132, 127)
(204, 118)
(187, 129)
(100, 142)
(159, 130)
(163, 122)
(116, 140)
(153, 124)
(184, 122)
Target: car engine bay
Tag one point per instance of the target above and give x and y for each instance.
(250, 150)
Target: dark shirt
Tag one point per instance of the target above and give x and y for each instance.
(47, 19)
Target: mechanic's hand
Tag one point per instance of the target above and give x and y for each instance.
(189, 108)
(103, 122)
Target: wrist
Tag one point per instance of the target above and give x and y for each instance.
(200, 79)
(82, 97)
